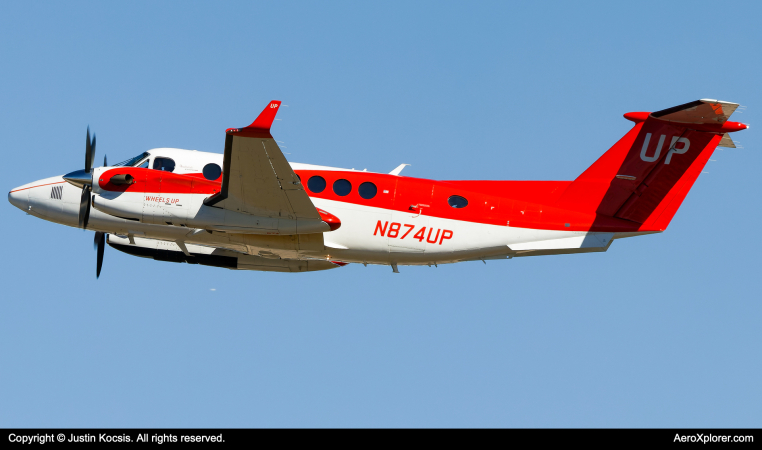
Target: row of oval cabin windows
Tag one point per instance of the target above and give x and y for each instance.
(367, 190)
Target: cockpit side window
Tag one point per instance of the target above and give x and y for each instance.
(144, 165)
(132, 162)
(163, 164)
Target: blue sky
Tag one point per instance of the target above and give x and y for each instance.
(660, 331)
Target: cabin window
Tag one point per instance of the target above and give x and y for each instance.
(316, 184)
(342, 187)
(456, 201)
(212, 171)
(367, 190)
(165, 164)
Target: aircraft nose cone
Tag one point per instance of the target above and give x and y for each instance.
(79, 178)
(19, 198)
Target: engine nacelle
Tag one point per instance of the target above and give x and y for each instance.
(197, 254)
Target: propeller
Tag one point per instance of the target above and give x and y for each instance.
(99, 243)
(84, 180)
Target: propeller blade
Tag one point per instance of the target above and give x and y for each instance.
(100, 243)
(88, 151)
(89, 202)
(84, 207)
(92, 152)
(105, 162)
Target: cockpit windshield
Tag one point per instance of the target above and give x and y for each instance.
(133, 162)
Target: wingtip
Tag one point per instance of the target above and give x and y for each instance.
(261, 125)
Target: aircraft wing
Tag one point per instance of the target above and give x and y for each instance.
(256, 178)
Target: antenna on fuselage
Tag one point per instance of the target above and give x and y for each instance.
(398, 169)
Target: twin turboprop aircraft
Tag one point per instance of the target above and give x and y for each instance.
(250, 209)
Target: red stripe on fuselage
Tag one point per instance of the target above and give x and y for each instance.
(505, 203)
(513, 203)
(158, 182)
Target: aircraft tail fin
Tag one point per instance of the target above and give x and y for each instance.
(645, 177)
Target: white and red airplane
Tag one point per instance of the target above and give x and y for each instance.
(250, 209)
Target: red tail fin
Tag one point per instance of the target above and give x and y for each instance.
(645, 176)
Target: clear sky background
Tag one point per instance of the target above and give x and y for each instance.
(660, 331)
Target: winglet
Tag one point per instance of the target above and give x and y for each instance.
(261, 125)
(398, 169)
(265, 119)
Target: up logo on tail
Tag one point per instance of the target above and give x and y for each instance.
(672, 148)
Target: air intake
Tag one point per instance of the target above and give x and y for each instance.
(56, 192)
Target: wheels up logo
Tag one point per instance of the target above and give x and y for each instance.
(678, 145)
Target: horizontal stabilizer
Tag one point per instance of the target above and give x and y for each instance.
(704, 111)
(726, 141)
